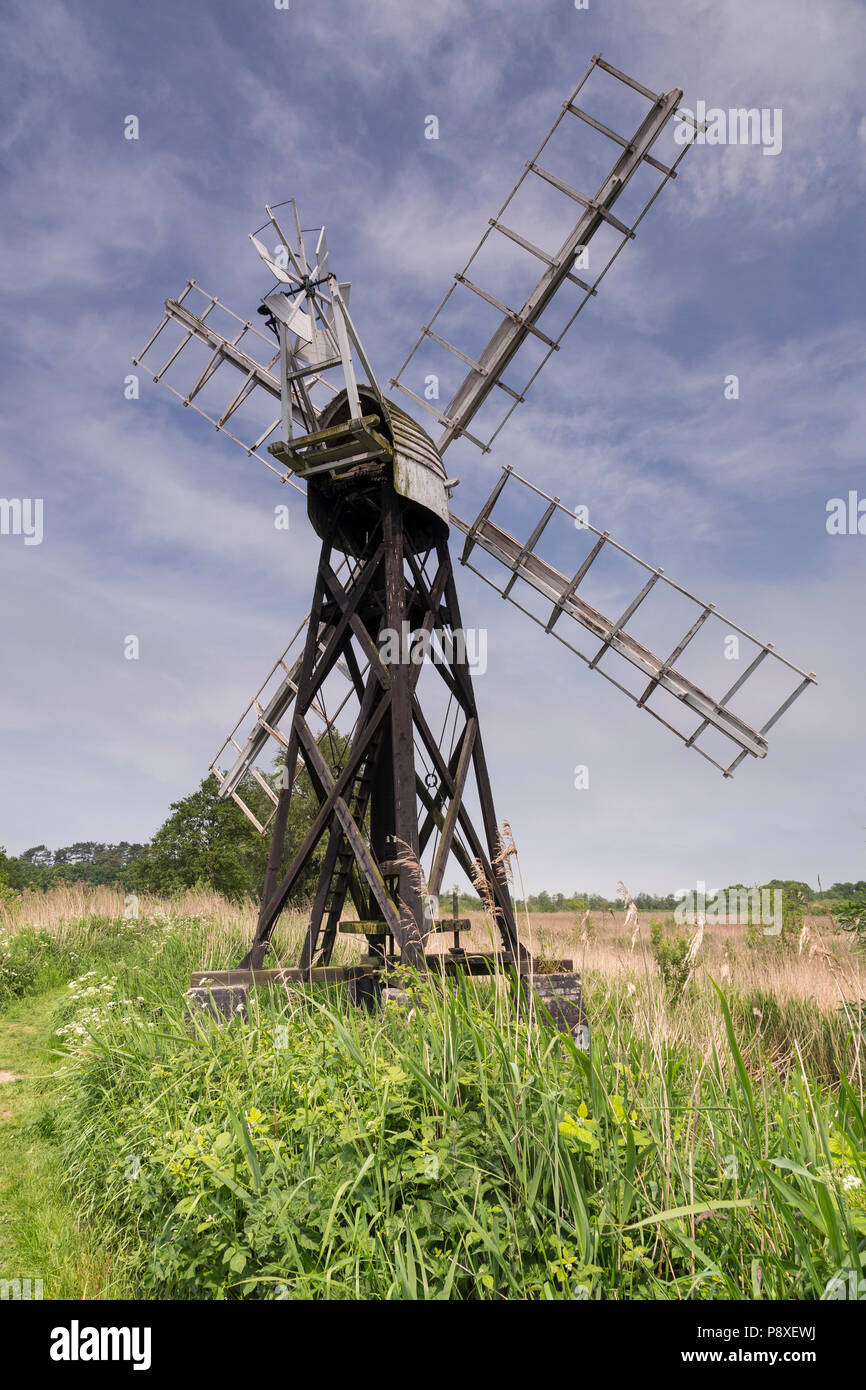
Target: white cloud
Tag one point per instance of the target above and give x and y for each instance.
(152, 524)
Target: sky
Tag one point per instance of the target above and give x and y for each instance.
(750, 264)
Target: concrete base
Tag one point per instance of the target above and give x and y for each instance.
(224, 1002)
(562, 997)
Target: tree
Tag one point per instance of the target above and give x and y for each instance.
(210, 842)
(38, 856)
(203, 842)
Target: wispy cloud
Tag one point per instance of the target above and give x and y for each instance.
(748, 265)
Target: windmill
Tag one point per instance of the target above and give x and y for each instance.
(398, 800)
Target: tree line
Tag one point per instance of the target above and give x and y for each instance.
(206, 842)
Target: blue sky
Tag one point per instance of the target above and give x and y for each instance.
(155, 526)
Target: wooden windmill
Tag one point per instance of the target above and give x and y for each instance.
(402, 800)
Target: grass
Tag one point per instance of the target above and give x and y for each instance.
(40, 1234)
(711, 1147)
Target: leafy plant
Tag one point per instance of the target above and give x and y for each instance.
(671, 952)
(457, 1152)
(851, 917)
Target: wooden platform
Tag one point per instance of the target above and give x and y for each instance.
(450, 962)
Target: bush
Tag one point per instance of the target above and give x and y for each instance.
(671, 954)
(33, 960)
(851, 917)
(29, 961)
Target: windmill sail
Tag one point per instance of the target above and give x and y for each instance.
(595, 215)
(202, 336)
(521, 567)
(708, 723)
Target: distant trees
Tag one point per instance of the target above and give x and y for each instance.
(845, 891)
(594, 902)
(86, 861)
(208, 842)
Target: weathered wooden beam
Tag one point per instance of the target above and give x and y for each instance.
(316, 764)
(348, 606)
(449, 825)
(443, 924)
(402, 741)
(289, 975)
(275, 905)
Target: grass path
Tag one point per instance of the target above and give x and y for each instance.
(39, 1234)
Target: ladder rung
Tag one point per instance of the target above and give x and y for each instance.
(571, 588)
(420, 400)
(690, 120)
(153, 337)
(618, 139)
(484, 514)
(214, 362)
(178, 350)
(629, 81)
(576, 280)
(510, 391)
(443, 419)
(470, 362)
(786, 705)
(676, 653)
(741, 680)
(521, 241)
(617, 628)
(530, 545)
(452, 924)
(509, 313)
(473, 439)
(190, 331)
(592, 203)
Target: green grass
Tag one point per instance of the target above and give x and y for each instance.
(461, 1153)
(708, 1149)
(40, 1234)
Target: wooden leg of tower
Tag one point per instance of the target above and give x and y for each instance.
(335, 879)
(278, 835)
(331, 792)
(261, 942)
(325, 897)
(402, 740)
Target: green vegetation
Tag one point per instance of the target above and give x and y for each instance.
(851, 913)
(671, 953)
(204, 842)
(84, 862)
(459, 1151)
(41, 1236)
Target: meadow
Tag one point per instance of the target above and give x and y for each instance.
(711, 1146)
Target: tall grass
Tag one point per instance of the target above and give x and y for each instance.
(69, 907)
(460, 1149)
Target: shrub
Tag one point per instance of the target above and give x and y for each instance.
(671, 954)
(851, 917)
(29, 961)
